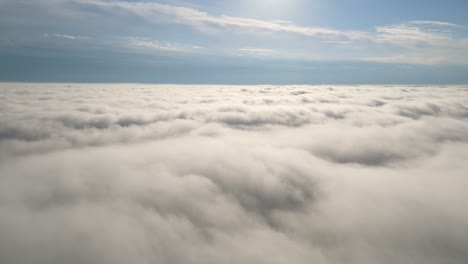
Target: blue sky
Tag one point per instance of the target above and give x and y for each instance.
(255, 41)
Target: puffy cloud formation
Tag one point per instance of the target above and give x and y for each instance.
(233, 174)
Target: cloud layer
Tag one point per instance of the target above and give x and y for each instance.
(243, 174)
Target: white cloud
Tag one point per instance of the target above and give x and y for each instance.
(404, 34)
(158, 12)
(151, 44)
(411, 35)
(336, 42)
(435, 23)
(257, 51)
(409, 59)
(247, 174)
(64, 36)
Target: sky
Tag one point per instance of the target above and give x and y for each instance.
(235, 42)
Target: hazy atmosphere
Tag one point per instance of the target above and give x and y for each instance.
(248, 131)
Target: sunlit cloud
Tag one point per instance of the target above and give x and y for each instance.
(182, 15)
(125, 173)
(435, 23)
(404, 34)
(408, 35)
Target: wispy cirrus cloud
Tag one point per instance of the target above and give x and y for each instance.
(161, 45)
(408, 59)
(64, 36)
(435, 23)
(165, 13)
(425, 41)
(408, 34)
(256, 51)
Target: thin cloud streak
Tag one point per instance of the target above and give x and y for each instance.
(64, 36)
(435, 23)
(182, 15)
(409, 35)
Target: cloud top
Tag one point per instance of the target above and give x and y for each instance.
(248, 174)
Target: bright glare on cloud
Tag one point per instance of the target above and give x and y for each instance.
(233, 174)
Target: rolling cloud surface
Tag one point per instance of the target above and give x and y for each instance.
(131, 173)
